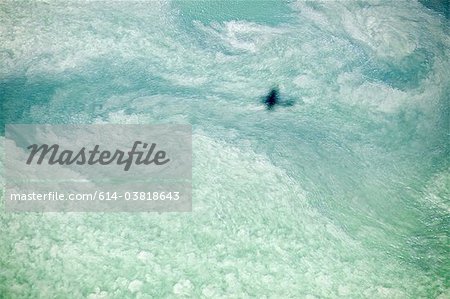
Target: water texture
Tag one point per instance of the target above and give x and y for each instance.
(344, 194)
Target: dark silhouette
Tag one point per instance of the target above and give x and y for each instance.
(272, 98)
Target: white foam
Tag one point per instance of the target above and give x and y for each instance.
(252, 220)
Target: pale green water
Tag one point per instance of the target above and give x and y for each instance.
(345, 194)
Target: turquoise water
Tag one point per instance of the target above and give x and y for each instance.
(344, 194)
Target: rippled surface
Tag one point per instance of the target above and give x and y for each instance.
(344, 194)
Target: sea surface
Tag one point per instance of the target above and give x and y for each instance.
(344, 194)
